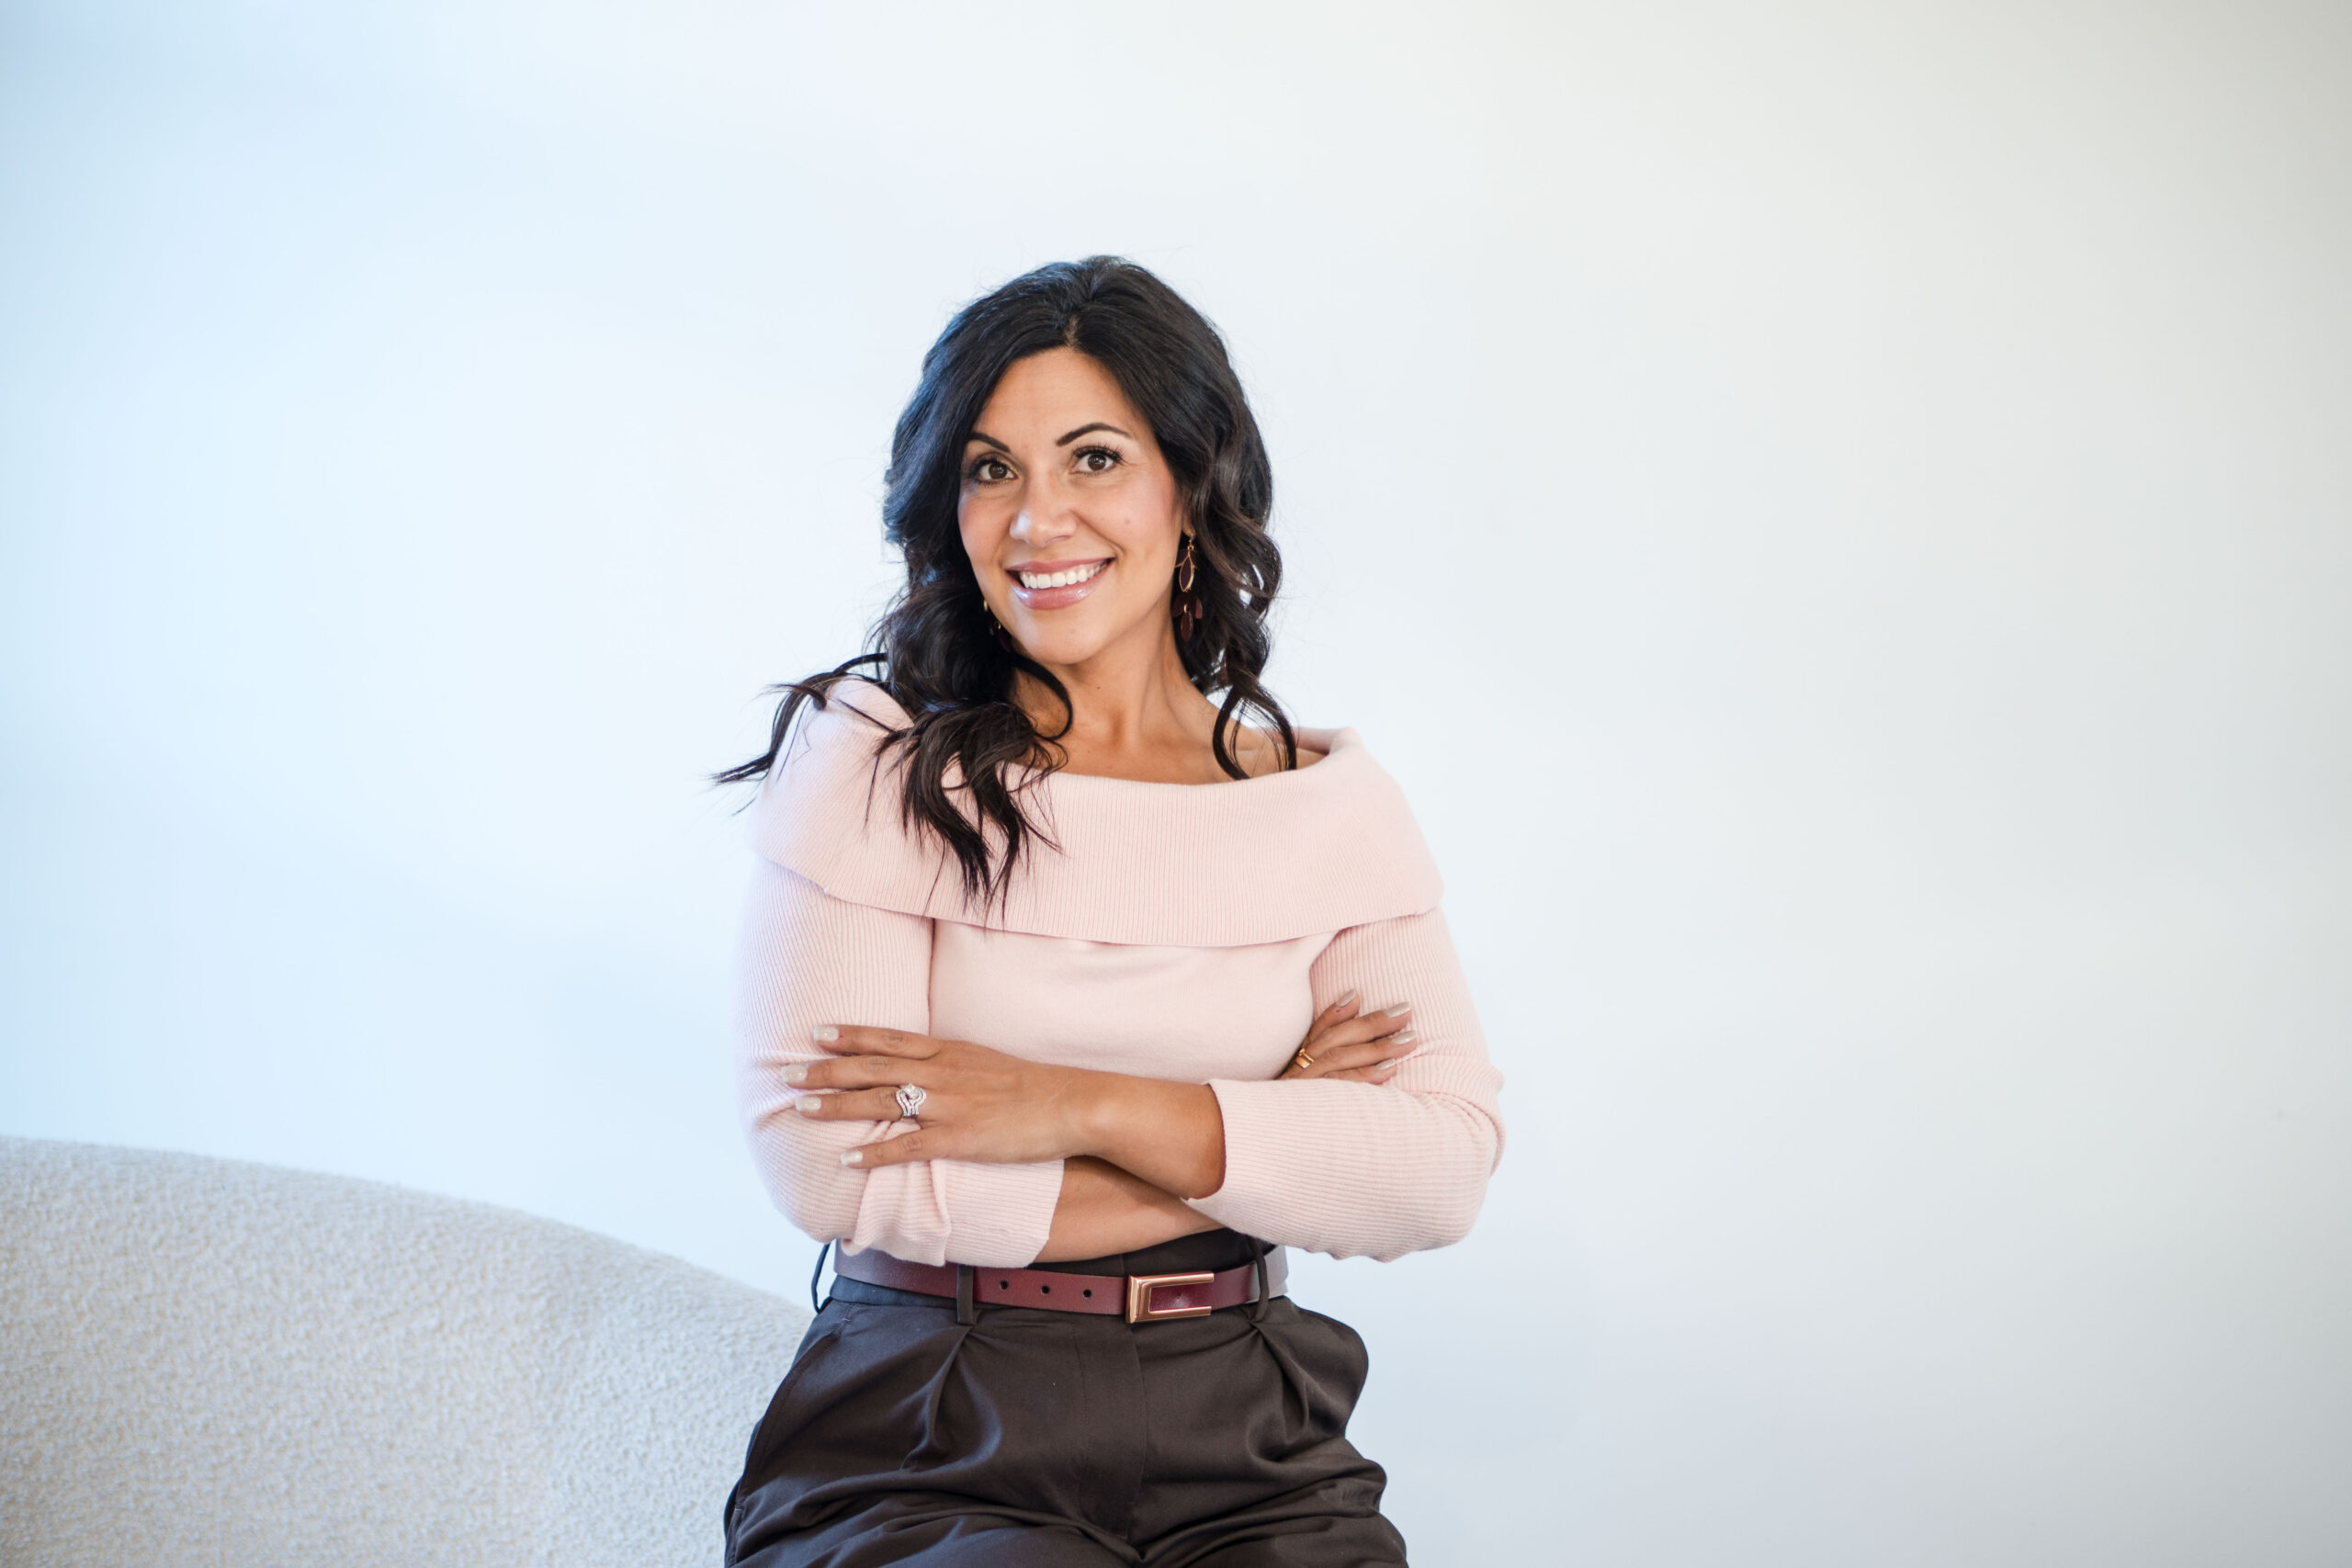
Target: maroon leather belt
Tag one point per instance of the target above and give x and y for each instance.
(1140, 1298)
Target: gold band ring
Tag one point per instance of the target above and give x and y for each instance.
(1302, 1060)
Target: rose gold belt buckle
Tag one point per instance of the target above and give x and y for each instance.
(1140, 1289)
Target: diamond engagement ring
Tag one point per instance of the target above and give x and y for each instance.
(910, 1098)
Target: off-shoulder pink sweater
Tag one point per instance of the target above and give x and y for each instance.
(1181, 931)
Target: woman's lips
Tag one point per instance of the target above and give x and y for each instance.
(1060, 582)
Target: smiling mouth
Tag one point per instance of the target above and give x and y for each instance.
(1068, 576)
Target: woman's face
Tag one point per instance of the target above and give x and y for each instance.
(1068, 512)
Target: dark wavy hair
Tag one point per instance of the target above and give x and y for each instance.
(970, 751)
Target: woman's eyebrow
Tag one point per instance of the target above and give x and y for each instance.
(984, 435)
(1090, 429)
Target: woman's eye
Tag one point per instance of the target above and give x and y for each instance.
(990, 470)
(1097, 460)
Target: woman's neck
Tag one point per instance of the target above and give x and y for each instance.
(1133, 716)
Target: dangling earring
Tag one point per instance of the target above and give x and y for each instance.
(996, 628)
(1188, 604)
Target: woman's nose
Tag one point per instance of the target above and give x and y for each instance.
(1043, 516)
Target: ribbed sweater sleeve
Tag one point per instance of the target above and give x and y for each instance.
(805, 959)
(1357, 1168)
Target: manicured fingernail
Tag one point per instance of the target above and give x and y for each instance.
(797, 1073)
(824, 1031)
(853, 1156)
(1383, 1066)
(1403, 1037)
(1345, 997)
(1400, 1009)
(808, 1105)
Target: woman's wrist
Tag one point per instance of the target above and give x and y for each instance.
(1171, 1134)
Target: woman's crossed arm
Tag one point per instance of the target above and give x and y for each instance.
(1385, 1149)
(1133, 1147)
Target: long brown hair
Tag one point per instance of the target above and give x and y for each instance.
(936, 650)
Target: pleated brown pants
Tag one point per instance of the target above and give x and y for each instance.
(1026, 1438)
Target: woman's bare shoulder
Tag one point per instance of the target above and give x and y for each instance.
(1261, 753)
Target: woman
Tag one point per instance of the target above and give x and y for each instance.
(1069, 998)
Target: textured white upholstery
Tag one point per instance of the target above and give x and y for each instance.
(205, 1362)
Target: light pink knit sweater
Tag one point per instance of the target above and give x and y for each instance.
(1180, 931)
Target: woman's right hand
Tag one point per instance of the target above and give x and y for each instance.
(1348, 1042)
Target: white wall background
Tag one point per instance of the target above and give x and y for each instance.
(1840, 516)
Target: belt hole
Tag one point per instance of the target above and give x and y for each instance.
(1089, 1294)
(1045, 1290)
(1004, 1284)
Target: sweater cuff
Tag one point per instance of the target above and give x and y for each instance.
(998, 1215)
(1261, 1186)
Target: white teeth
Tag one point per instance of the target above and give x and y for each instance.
(1061, 579)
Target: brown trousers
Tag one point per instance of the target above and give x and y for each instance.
(1026, 1438)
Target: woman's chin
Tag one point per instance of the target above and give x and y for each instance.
(1062, 638)
(1061, 652)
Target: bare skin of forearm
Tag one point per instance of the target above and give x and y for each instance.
(1145, 1140)
(1104, 1210)
(1133, 1148)
(1171, 1134)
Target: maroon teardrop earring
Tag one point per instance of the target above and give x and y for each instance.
(1188, 604)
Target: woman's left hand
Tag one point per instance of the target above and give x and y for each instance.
(977, 1104)
(999, 1108)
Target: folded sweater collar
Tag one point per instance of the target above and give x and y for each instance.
(1267, 859)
